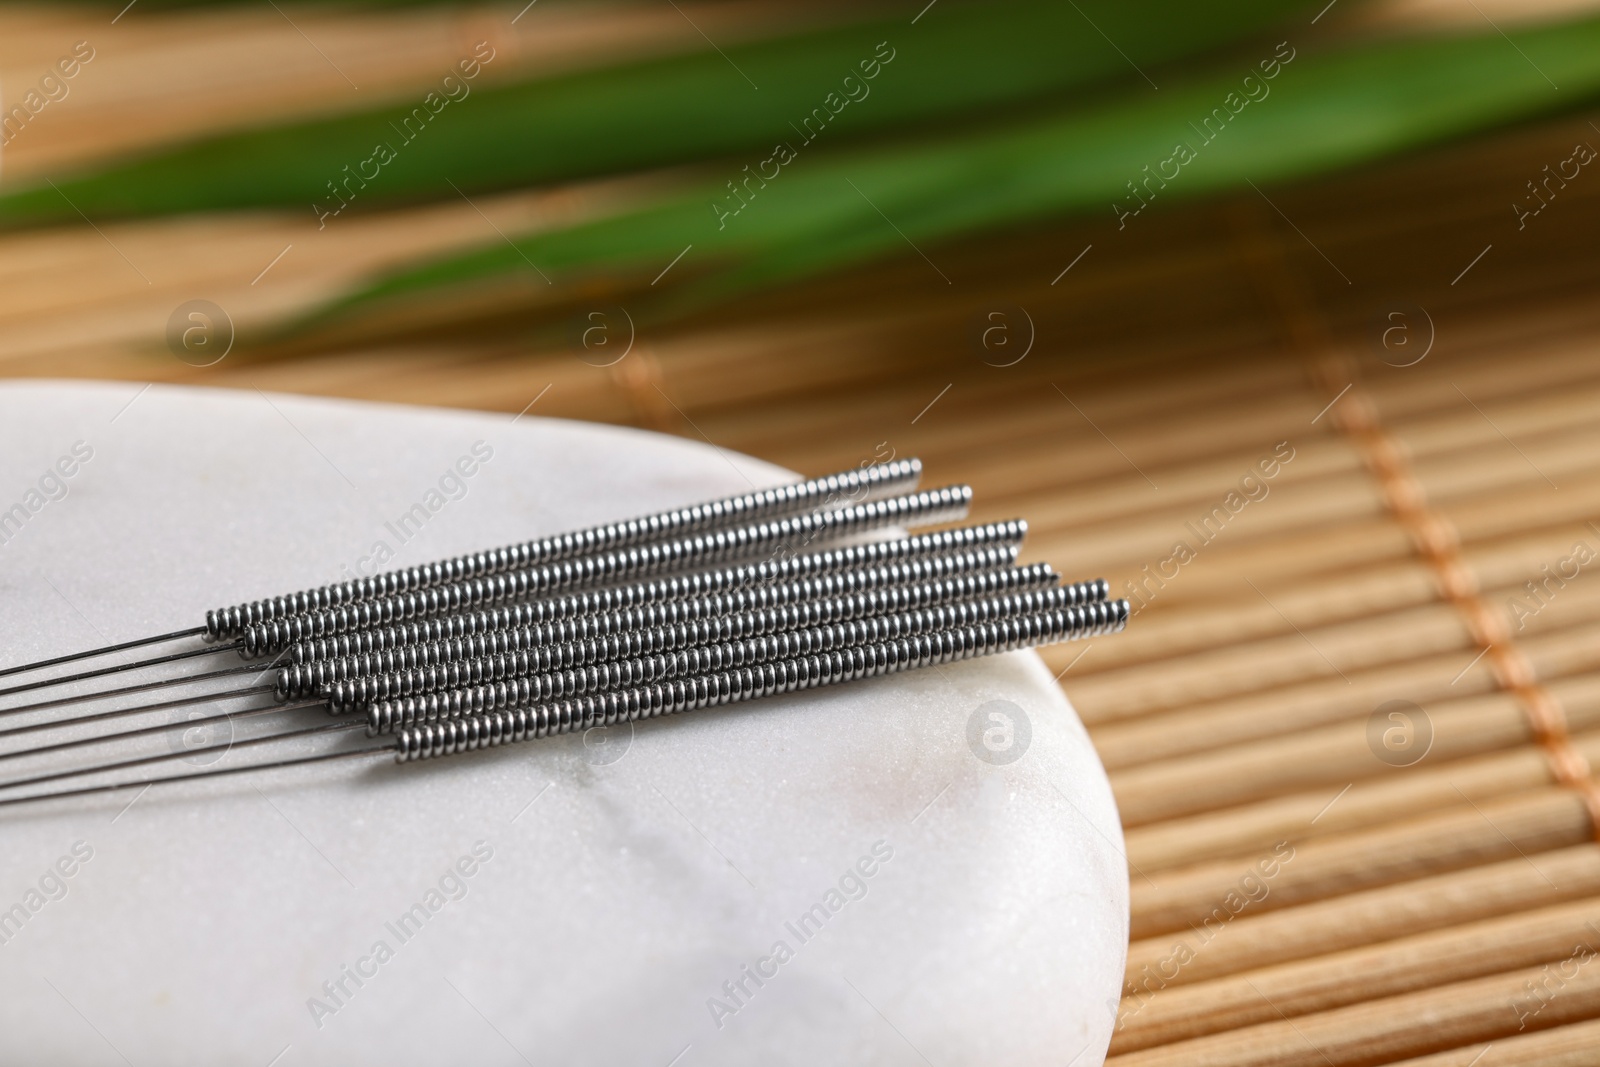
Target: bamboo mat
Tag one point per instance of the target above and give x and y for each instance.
(1351, 725)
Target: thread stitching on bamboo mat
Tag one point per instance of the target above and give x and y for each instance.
(1437, 541)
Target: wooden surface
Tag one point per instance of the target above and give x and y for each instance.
(1445, 912)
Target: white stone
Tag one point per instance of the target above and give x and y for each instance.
(631, 876)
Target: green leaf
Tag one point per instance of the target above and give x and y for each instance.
(825, 211)
(957, 59)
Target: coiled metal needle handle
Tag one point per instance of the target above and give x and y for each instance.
(669, 599)
(495, 728)
(270, 638)
(834, 490)
(355, 681)
(386, 716)
(782, 537)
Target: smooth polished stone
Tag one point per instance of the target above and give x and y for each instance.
(917, 869)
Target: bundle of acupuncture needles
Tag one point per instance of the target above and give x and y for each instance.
(731, 600)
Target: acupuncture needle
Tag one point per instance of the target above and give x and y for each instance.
(497, 728)
(385, 716)
(904, 559)
(618, 564)
(674, 599)
(309, 630)
(655, 667)
(989, 546)
(715, 546)
(780, 537)
(492, 729)
(335, 683)
(861, 484)
(388, 716)
(356, 680)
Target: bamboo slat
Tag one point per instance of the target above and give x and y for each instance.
(1256, 827)
(1383, 1029)
(1255, 940)
(1333, 756)
(1564, 1046)
(1513, 942)
(1252, 716)
(1472, 834)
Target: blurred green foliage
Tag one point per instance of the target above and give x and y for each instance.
(825, 148)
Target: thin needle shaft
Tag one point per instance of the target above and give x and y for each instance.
(117, 713)
(217, 773)
(101, 672)
(140, 687)
(186, 724)
(105, 650)
(122, 765)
